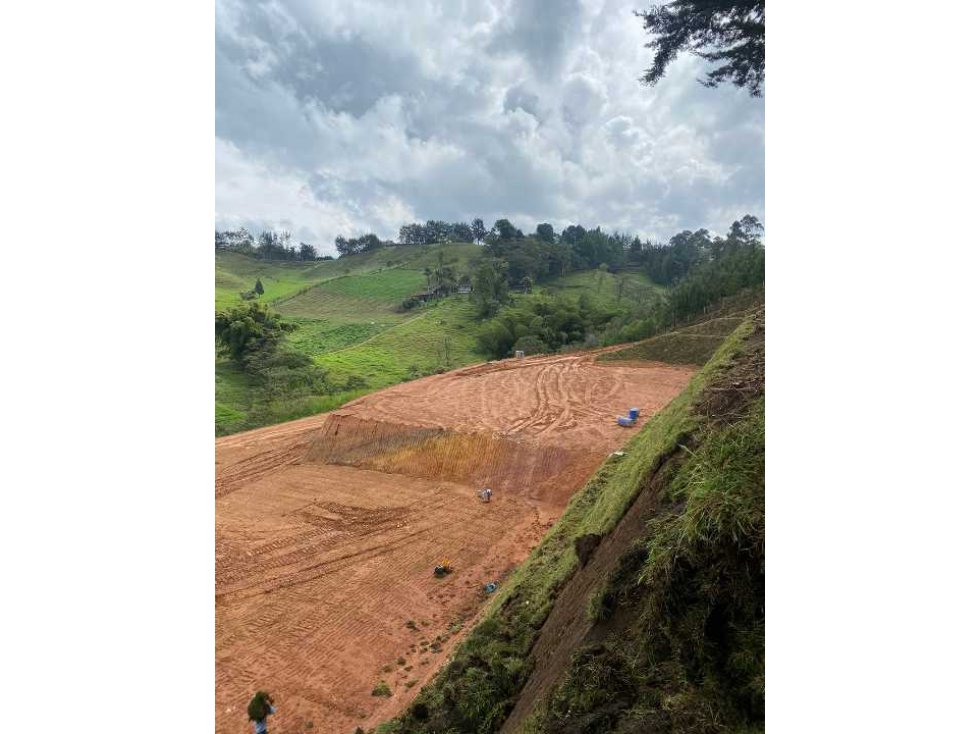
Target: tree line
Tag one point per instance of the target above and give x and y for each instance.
(699, 269)
(270, 245)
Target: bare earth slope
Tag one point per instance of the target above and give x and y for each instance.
(327, 528)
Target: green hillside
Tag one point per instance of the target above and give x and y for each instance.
(235, 272)
(342, 328)
(348, 319)
(664, 549)
(606, 289)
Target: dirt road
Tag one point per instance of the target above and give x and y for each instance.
(327, 528)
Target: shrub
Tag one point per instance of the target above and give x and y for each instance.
(381, 689)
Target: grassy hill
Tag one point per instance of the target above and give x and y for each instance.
(643, 607)
(348, 320)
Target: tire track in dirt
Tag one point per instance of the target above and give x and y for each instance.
(327, 528)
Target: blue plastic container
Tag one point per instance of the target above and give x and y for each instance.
(623, 421)
(633, 413)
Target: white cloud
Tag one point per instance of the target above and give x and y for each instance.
(339, 118)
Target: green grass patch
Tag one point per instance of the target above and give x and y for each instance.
(381, 689)
(437, 337)
(689, 655)
(609, 290)
(693, 344)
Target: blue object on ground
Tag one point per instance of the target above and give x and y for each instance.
(623, 421)
(633, 413)
(490, 588)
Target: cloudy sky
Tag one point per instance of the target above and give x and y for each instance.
(339, 117)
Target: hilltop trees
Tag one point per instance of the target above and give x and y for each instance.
(239, 240)
(503, 231)
(436, 231)
(355, 245)
(728, 33)
(271, 245)
(545, 232)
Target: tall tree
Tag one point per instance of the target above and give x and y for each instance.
(489, 286)
(479, 229)
(267, 242)
(728, 33)
(545, 232)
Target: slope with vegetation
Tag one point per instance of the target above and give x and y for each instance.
(385, 312)
(643, 607)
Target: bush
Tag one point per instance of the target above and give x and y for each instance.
(529, 345)
(381, 689)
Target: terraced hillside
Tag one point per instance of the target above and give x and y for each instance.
(349, 320)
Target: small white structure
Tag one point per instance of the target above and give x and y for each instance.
(519, 354)
(485, 494)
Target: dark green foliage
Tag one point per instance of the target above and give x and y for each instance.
(260, 705)
(708, 271)
(306, 251)
(271, 245)
(259, 288)
(545, 323)
(251, 334)
(730, 33)
(239, 240)
(286, 372)
(489, 286)
(274, 245)
(355, 245)
(530, 345)
(248, 329)
(503, 230)
(702, 270)
(436, 231)
(545, 232)
(478, 230)
(530, 258)
(668, 264)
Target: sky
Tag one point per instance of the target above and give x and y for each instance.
(342, 118)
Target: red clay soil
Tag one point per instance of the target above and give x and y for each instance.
(328, 528)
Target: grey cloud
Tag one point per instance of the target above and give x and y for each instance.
(335, 118)
(539, 31)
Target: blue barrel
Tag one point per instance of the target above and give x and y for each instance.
(633, 413)
(623, 421)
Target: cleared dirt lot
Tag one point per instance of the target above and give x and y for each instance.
(327, 528)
